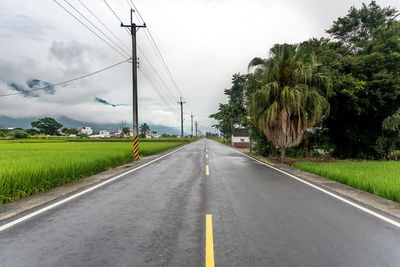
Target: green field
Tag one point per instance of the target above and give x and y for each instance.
(53, 139)
(381, 178)
(28, 168)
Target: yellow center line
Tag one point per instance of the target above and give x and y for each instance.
(206, 156)
(207, 170)
(209, 242)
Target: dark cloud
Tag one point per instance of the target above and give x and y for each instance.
(31, 84)
(105, 102)
(21, 89)
(36, 83)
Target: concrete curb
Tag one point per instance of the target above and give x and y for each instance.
(24, 204)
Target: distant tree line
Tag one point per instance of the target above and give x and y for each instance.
(339, 94)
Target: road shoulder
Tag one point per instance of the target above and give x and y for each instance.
(381, 204)
(19, 206)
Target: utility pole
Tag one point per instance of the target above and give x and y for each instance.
(180, 102)
(191, 118)
(133, 27)
(196, 128)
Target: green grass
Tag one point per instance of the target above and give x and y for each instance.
(381, 178)
(29, 168)
(86, 140)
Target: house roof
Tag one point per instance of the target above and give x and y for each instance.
(240, 132)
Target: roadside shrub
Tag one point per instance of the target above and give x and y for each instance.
(20, 134)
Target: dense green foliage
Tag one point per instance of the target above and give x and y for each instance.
(291, 98)
(28, 168)
(362, 59)
(70, 131)
(20, 134)
(377, 177)
(234, 112)
(144, 129)
(47, 125)
(387, 143)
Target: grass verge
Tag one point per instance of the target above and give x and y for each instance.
(381, 178)
(29, 168)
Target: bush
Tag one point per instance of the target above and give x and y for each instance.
(4, 132)
(20, 134)
(397, 153)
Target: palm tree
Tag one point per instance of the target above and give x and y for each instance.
(291, 98)
(144, 130)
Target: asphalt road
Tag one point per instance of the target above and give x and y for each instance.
(156, 216)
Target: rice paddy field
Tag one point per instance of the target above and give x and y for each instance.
(381, 178)
(30, 167)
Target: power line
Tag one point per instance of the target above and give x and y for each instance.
(115, 14)
(108, 29)
(68, 81)
(157, 50)
(87, 27)
(134, 7)
(146, 73)
(156, 72)
(91, 23)
(156, 83)
(154, 87)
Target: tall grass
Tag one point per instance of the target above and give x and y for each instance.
(28, 168)
(381, 178)
(86, 140)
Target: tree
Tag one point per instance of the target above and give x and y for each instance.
(125, 131)
(4, 132)
(69, 130)
(32, 131)
(234, 112)
(20, 134)
(291, 97)
(144, 130)
(47, 125)
(364, 59)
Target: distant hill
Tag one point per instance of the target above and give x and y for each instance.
(71, 123)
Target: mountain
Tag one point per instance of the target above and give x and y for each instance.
(71, 123)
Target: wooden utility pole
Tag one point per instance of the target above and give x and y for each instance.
(133, 28)
(181, 102)
(191, 123)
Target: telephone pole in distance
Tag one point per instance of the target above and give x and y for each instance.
(133, 28)
(191, 119)
(181, 102)
(196, 128)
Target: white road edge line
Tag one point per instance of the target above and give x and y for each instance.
(373, 213)
(58, 203)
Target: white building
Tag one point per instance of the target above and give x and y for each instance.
(85, 130)
(240, 138)
(104, 134)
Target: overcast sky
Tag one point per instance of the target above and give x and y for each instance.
(203, 42)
